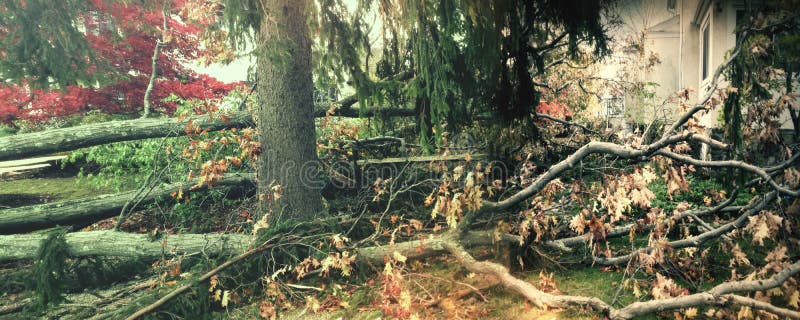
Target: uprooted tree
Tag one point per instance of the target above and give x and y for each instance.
(628, 202)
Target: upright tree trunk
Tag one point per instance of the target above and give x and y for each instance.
(285, 115)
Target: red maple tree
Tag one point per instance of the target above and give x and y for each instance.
(124, 36)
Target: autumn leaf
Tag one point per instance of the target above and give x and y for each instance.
(664, 288)
(266, 310)
(397, 256)
(794, 299)
(226, 298)
(212, 283)
(313, 304)
(642, 198)
(579, 223)
(763, 226)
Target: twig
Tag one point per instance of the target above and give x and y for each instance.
(204, 277)
(566, 123)
(153, 73)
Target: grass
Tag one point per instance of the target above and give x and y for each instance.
(31, 191)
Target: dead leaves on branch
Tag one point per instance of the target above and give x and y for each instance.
(763, 226)
(459, 190)
(621, 193)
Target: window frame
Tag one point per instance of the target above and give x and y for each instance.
(706, 47)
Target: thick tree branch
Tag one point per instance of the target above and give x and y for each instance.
(718, 295)
(534, 295)
(762, 173)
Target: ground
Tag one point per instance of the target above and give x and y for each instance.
(441, 287)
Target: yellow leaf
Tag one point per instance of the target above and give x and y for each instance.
(794, 299)
(226, 297)
(218, 295)
(313, 304)
(399, 257)
(690, 313)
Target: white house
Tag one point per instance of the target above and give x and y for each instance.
(690, 38)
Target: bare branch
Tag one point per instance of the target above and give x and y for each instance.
(697, 240)
(731, 164)
(718, 295)
(565, 244)
(566, 123)
(534, 295)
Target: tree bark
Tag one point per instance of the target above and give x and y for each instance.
(89, 210)
(121, 244)
(285, 113)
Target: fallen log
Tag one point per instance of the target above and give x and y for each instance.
(65, 139)
(122, 244)
(89, 210)
(421, 159)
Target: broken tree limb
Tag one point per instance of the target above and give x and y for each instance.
(697, 240)
(736, 164)
(66, 139)
(530, 292)
(566, 244)
(719, 295)
(423, 159)
(555, 171)
(89, 210)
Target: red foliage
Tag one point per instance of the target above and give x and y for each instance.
(554, 108)
(131, 56)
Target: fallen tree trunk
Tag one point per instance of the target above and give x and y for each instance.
(50, 141)
(89, 210)
(65, 139)
(122, 244)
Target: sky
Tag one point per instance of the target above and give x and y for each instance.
(237, 70)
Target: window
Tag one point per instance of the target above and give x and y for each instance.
(671, 5)
(705, 47)
(615, 108)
